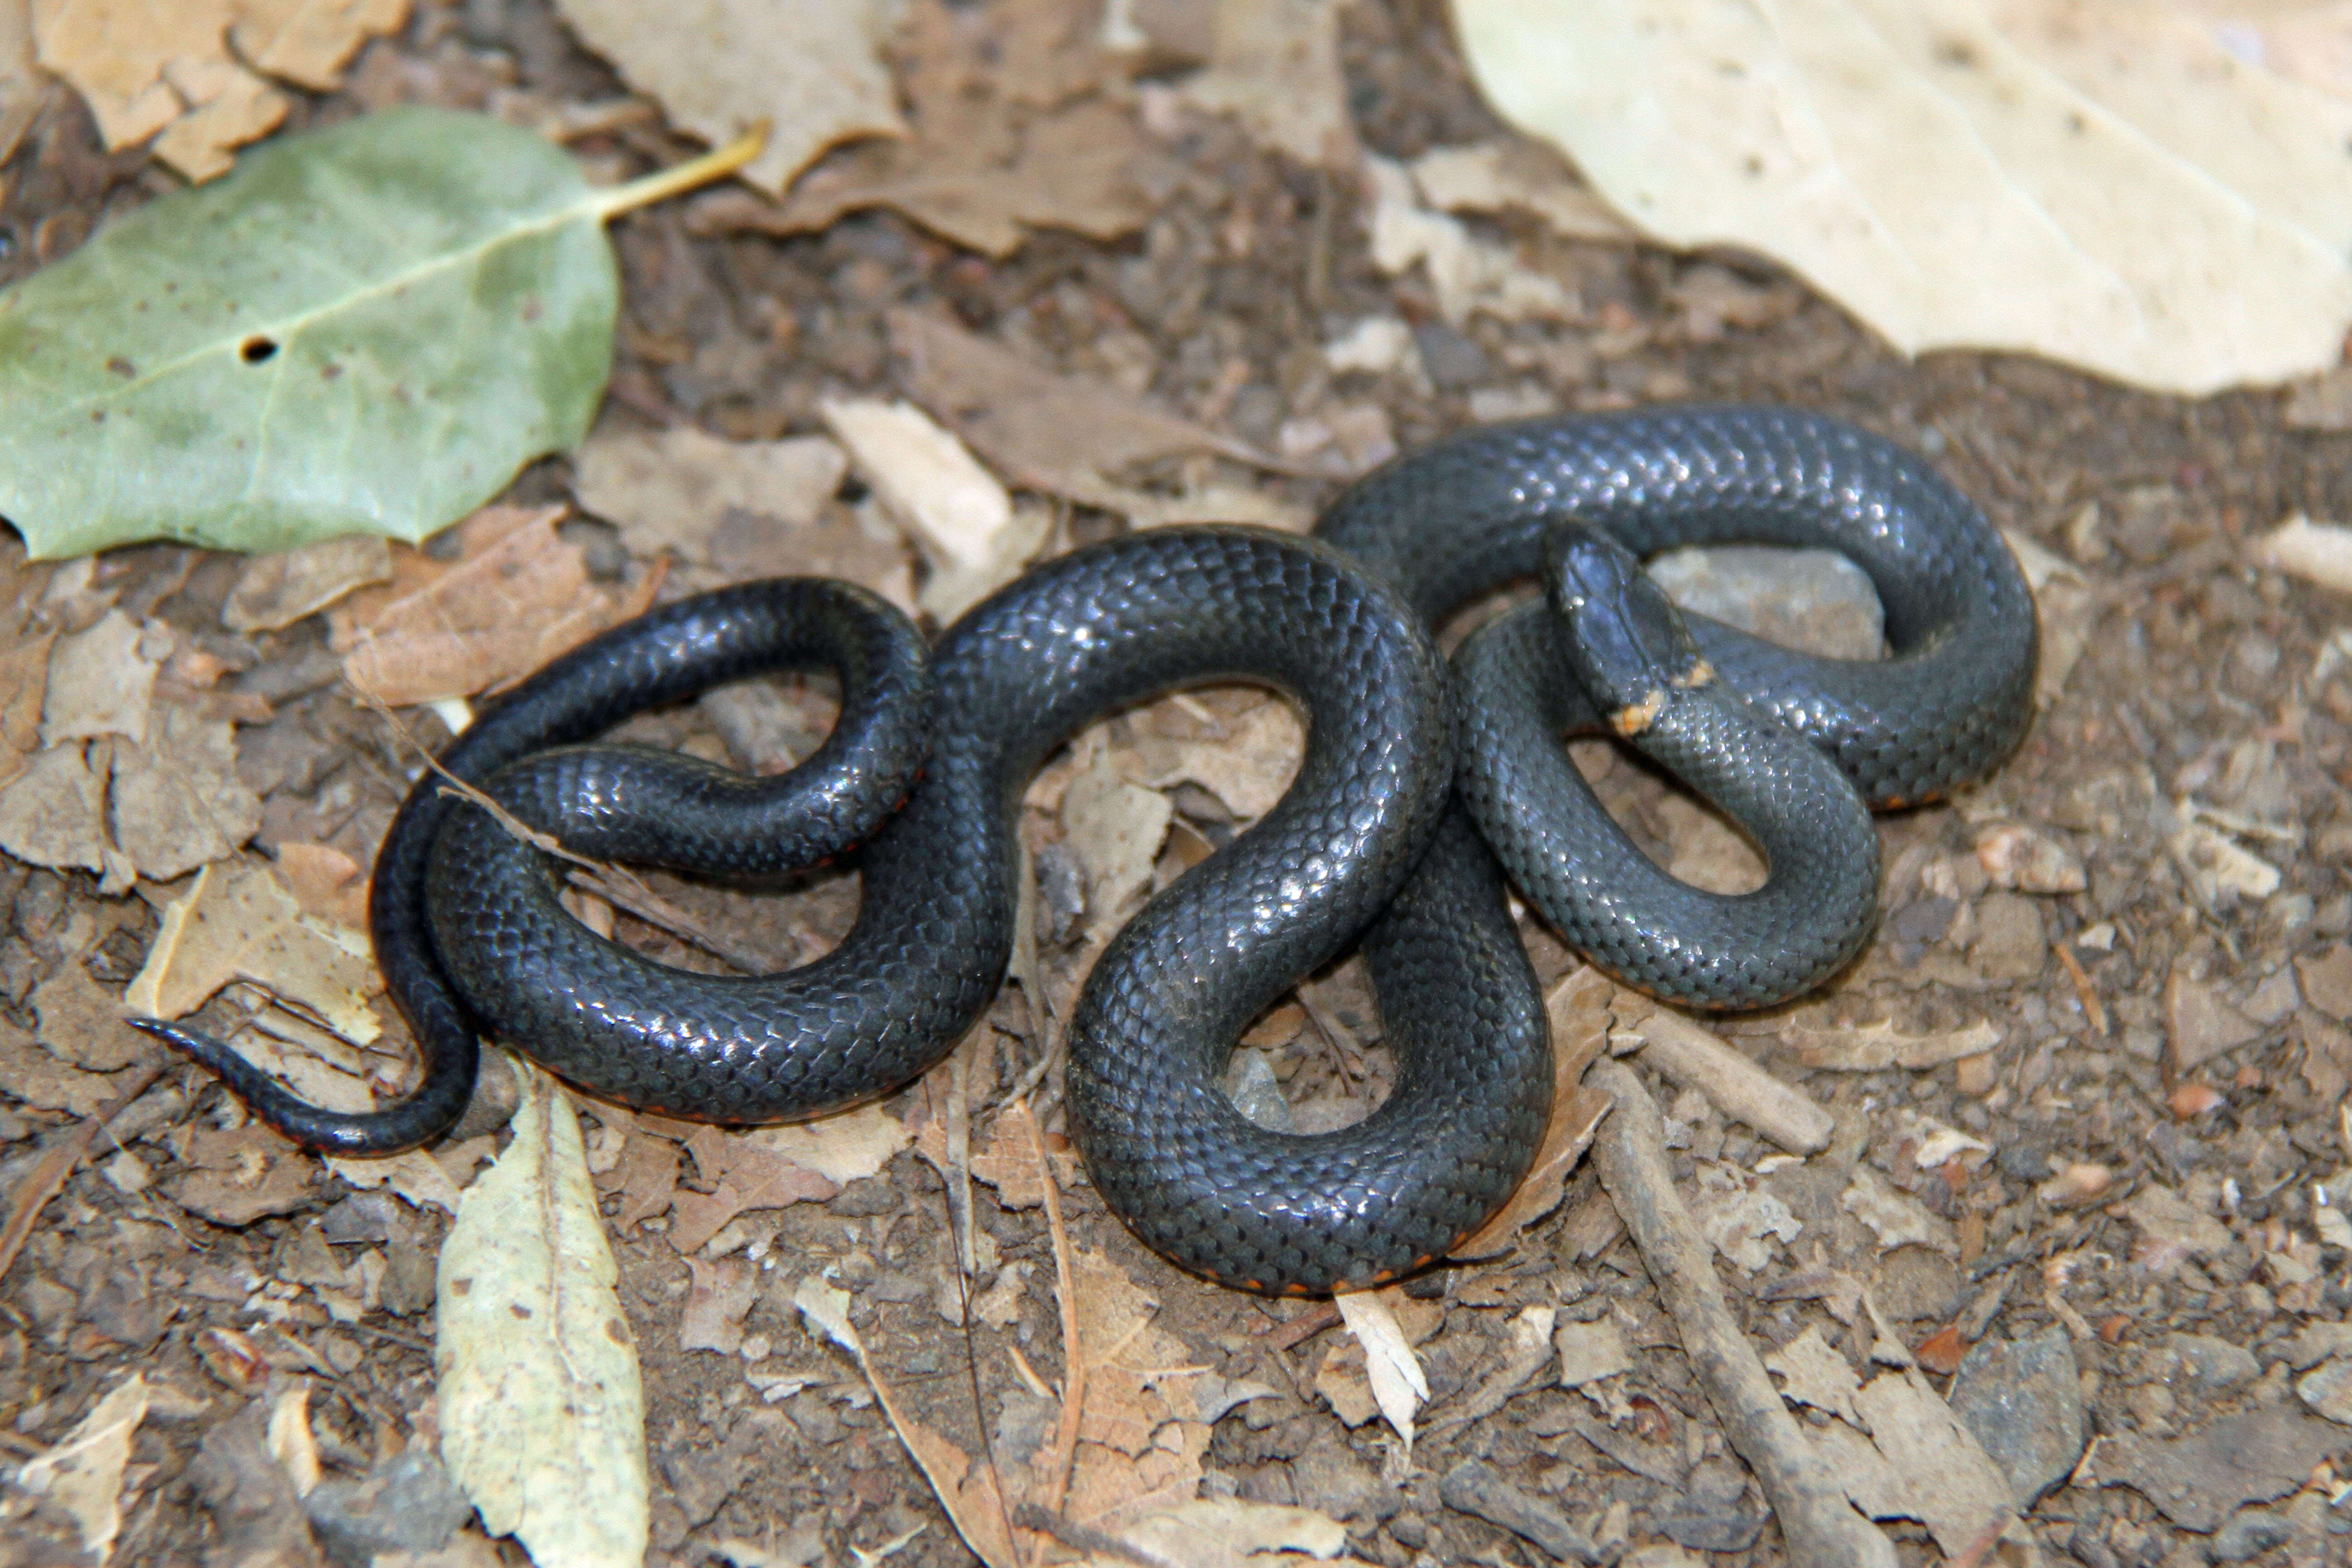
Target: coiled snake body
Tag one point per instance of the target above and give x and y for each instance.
(1365, 842)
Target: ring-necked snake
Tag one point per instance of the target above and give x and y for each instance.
(1365, 842)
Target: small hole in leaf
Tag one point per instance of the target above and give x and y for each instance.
(256, 349)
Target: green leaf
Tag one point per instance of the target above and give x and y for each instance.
(364, 329)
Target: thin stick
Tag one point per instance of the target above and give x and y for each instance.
(1073, 1361)
(1819, 1524)
(630, 894)
(57, 1163)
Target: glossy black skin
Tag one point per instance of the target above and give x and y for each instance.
(1526, 500)
(663, 656)
(1342, 852)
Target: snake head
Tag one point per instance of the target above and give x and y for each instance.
(1626, 640)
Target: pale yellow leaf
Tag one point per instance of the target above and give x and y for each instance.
(543, 1411)
(83, 1473)
(2102, 184)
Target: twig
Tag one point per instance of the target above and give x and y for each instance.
(1819, 1524)
(1074, 1360)
(57, 1163)
(1304, 1326)
(1692, 1057)
(1084, 1538)
(1344, 1051)
(629, 893)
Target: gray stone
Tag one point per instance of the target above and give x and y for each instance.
(1813, 600)
(1479, 1490)
(2210, 1365)
(2023, 1400)
(1250, 1084)
(1714, 1513)
(2250, 1534)
(408, 1503)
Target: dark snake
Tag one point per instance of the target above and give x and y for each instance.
(1368, 841)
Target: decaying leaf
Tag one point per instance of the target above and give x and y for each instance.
(99, 683)
(365, 329)
(83, 1472)
(967, 1491)
(1115, 828)
(1007, 132)
(671, 489)
(518, 596)
(195, 69)
(1068, 435)
(1816, 1374)
(842, 1149)
(748, 1175)
(1398, 1382)
(808, 69)
(2105, 185)
(1578, 1009)
(275, 591)
(238, 922)
(542, 1412)
(1952, 1484)
(1276, 68)
(177, 802)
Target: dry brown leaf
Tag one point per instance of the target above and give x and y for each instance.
(968, 1492)
(99, 683)
(1578, 1009)
(329, 884)
(1817, 1375)
(1273, 64)
(150, 66)
(808, 69)
(234, 1178)
(720, 1294)
(671, 489)
(1491, 178)
(1065, 434)
(273, 592)
(843, 1149)
(238, 921)
(520, 596)
(1398, 1384)
(1000, 140)
(83, 1472)
(176, 800)
(1115, 828)
(1141, 1448)
(649, 1171)
(748, 1176)
(1953, 1486)
(24, 687)
(35, 1078)
(1006, 1164)
(1248, 770)
(81, 1021)
(54, 814)
(931, 485)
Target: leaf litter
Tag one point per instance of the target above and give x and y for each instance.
(1482, 1337)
